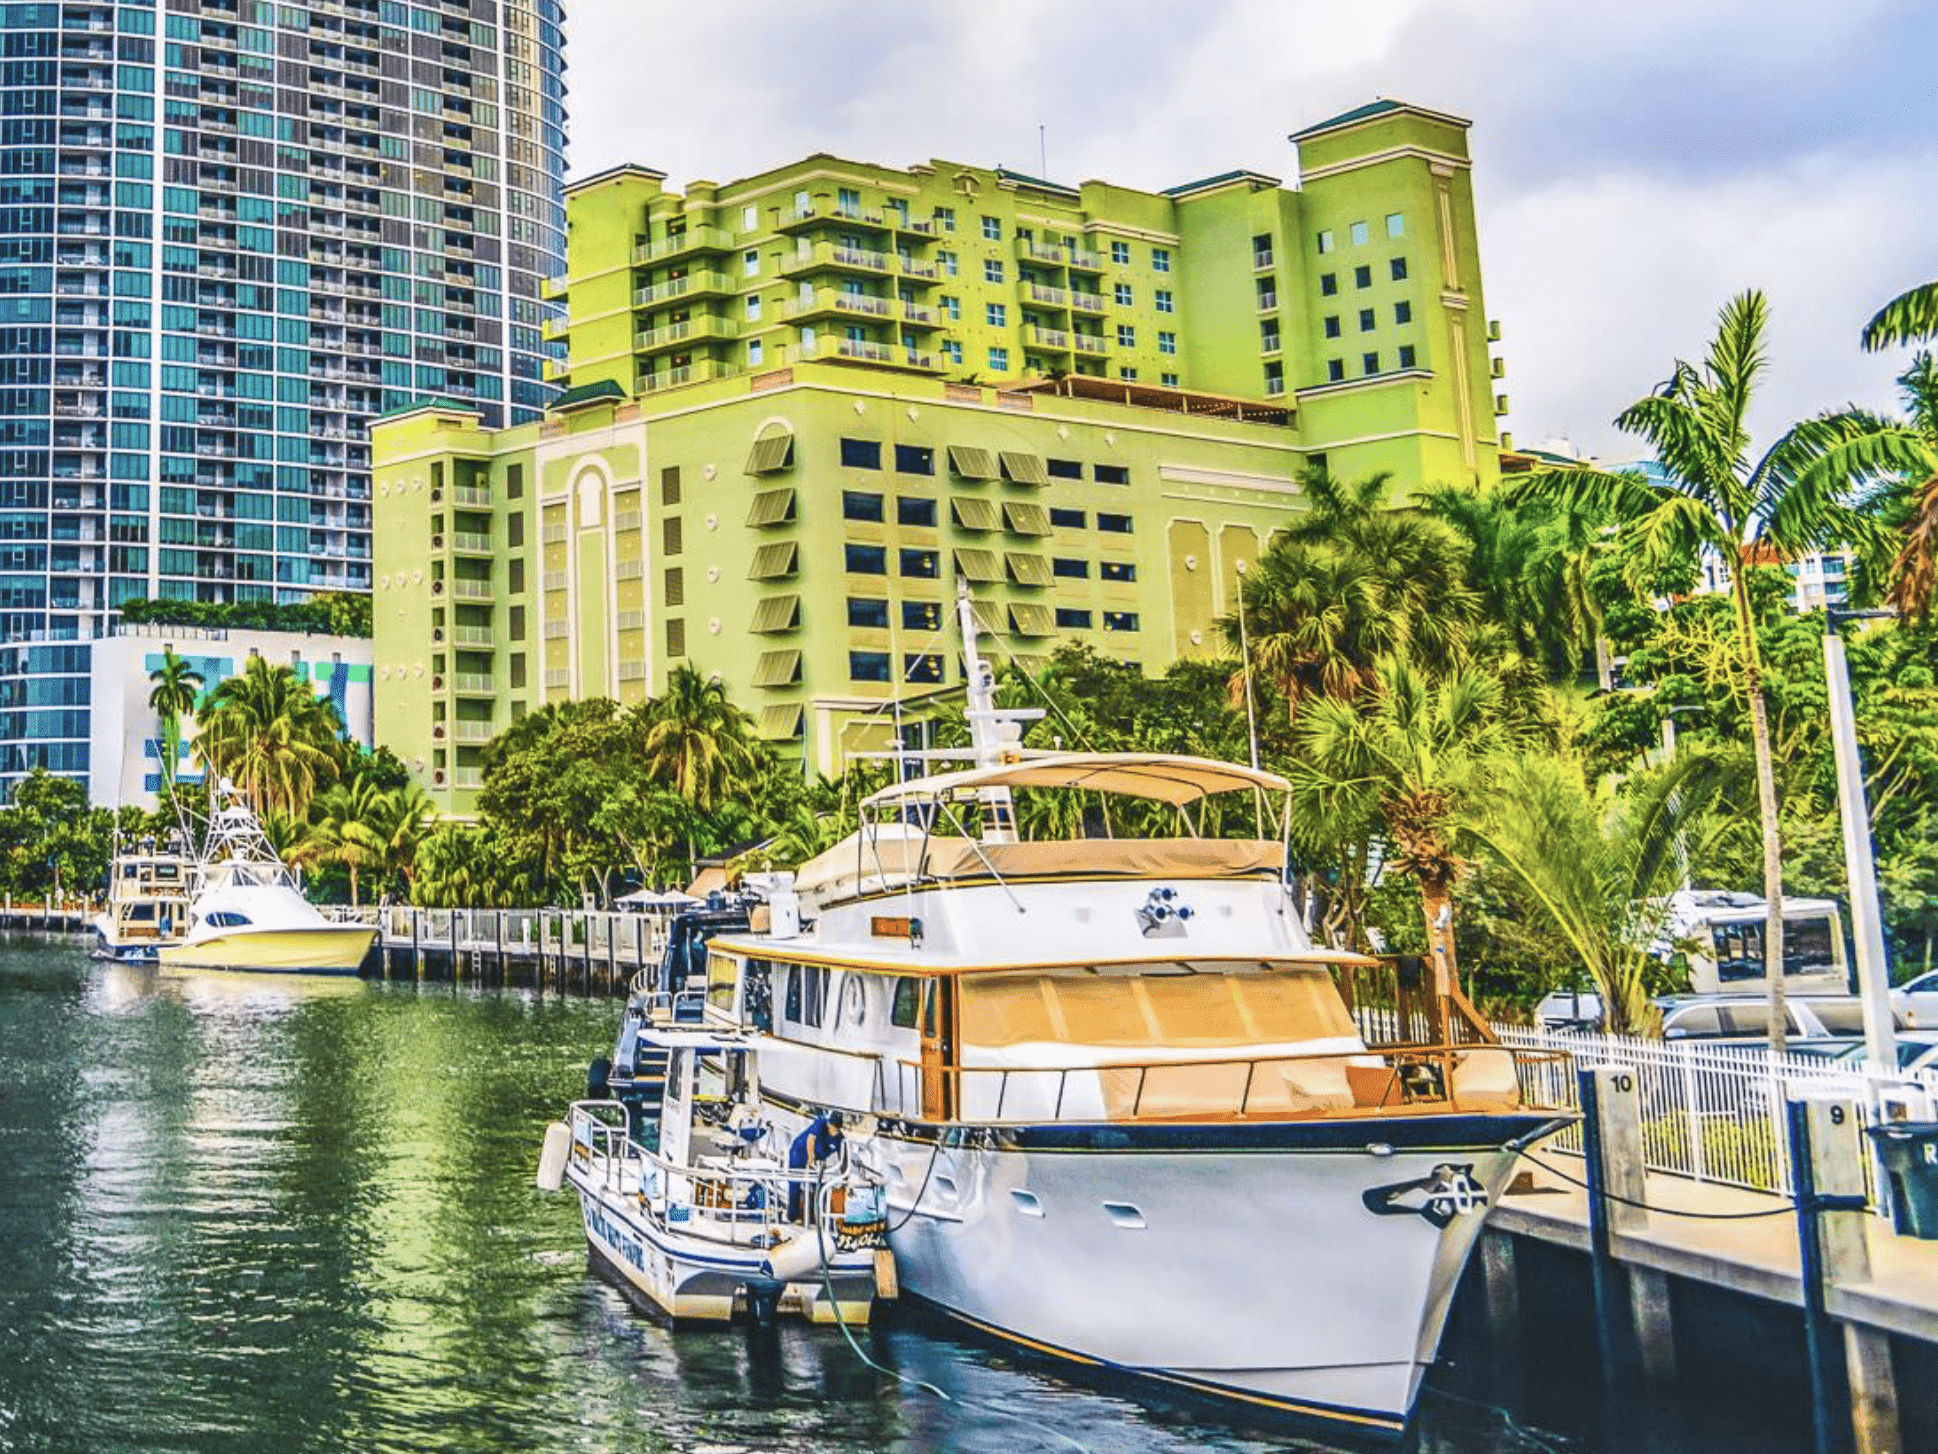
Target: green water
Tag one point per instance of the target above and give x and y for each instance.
(242, 1214)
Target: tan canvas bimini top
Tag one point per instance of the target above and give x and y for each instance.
(1171, 779)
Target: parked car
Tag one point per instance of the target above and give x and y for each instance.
(1569, 1010)
(1917, 1001)
(1917, 1050)
(1744, 1020)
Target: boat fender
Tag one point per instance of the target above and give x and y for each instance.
(598, 1076)
(551, 1160)
(797, 1258)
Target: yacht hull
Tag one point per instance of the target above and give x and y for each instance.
(317, 949)
(1309, 1279)
(697, 1280)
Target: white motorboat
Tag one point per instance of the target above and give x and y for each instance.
(721, 1217)
(148, 901)
(248, 912)
(1125, 1112)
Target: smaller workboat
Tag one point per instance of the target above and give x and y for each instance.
(148, 900)
(724, 1217)
(248, 912)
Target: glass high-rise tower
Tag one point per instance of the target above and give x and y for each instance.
(232, 232)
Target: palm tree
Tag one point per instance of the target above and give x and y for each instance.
(1907, 449)
(697, 742)
(1349, 583)
(1789, 501)
(271, 735)
(1907, 318)
(178, 686)
(1600, 873)
(1402, 764)
(366, 827)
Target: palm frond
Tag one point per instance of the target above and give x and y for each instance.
(1910, 316)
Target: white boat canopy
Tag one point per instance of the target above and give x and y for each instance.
(1171, 779)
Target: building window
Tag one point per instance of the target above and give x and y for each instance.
(1402, 312)
(847, 200)
(674, 589)
(1127, 374)
(1120, 252)
(992, 270)
(1262, 250)
(753, 307)
(992, 229)
(1397, 266)
(1160, 259)
(867, 560)
(1075, 570)
(1126, 336)
(921, 616)
(1268, 336)
(1328, 284)
(756, 351)
(1111, 474)
(999, 360)
(1407, 356)
(1369, 363)
(1335, 370)
(1113, 524)
(868, 613)
(1332, 326)
(1359, 234)
(861, 505)
(1120, 620)
(924, 667)
(952, 308)
(749, 218)
(1274, 379)
(996, 315)
(861, 454)
(1123, 295)
(921, 565)
(675, 636)
(1170, 381)
(1325, 240)
(1362, 277)
(750, 263)
(914, 510)
(1063, 469)
(948, 262)
(914, 459)
(1395, 225)
(868, 666)
(1166, 300)
(514, 481)
(945, 218)
(1117, 570)
(1068, 519)
(1070, 619)
(1367, 318)
(670, 535)
(952, 351)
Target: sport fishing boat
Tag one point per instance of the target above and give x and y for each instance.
(247, 911)
(721, 1217)
(1125, 1112)
(148, 901)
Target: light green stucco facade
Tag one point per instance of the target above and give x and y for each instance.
(788, 435)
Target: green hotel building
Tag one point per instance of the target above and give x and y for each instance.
(797, 409)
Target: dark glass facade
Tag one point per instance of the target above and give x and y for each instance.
(230, 235)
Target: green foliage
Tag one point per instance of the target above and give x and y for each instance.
(271, 735)
(329, 613)
(51, 842)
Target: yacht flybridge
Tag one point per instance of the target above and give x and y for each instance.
(1122, 1110)
(247, 912)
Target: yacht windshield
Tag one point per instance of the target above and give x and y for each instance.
(1154, 1008)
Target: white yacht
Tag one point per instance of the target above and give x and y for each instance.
(247, 911)
(148, 901)
(1124, 1111)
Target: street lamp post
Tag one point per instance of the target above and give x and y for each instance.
(1867, 926)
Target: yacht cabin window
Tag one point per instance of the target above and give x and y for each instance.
(807, 993)
(906, 1009)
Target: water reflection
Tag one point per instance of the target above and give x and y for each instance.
(258, 1213)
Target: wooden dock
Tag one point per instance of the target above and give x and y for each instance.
(1863, 1290)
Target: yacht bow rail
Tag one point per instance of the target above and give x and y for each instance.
(1322, 1085)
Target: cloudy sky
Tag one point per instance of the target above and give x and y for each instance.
(1636, 161)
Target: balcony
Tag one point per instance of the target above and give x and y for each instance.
(695, 373)
(465, 589)
(470, 542)
(695, 285)
(1089, 343)
(867, 351)
(833, 300)
(1086, 302)
(472, 684)
(475, 637)
(685, 333)
(1049, 297)
(1053, 338)
(472, 731)
(551, 330)
(551, 289)
(833, 257)
(693, 241)
(471, 495)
